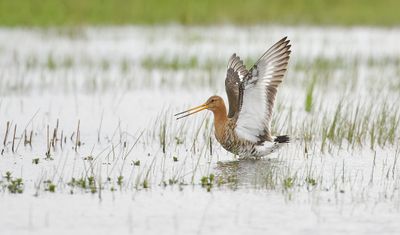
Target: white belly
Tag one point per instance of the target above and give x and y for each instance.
(266, 148)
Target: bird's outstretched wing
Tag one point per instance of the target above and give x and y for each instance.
(259, 90)
(235, 73)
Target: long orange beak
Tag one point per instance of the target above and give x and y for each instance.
(191, 111)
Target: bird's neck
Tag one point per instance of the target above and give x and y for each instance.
(220, 120)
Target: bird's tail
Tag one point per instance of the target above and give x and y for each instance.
(282, 139)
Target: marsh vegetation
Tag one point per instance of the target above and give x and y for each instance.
(91, 113)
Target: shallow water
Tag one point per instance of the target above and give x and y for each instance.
(138, 170)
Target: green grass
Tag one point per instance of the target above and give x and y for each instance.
(100, 12)
(14, 185)
(309, 96)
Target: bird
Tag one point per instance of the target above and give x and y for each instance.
(245, 129)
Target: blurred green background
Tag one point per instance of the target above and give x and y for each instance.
(198, 12)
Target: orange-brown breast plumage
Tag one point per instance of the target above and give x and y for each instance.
(224, 128)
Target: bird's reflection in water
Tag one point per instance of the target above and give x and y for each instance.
(261, 173)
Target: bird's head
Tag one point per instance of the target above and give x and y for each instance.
(213, 104)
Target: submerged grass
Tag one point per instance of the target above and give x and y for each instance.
(188, 161)
(183, 71)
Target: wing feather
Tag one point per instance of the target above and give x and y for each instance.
(236, 71)
(259, 91)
